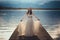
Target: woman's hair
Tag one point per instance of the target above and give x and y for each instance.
(29, 11)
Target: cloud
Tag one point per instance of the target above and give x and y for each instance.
(43, 2)
(20, 0)
(39, 2)
(24, 1)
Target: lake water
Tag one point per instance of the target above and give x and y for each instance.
(9, 19)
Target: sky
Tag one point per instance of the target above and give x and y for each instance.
(30, 3)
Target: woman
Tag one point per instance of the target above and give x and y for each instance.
(26, 28)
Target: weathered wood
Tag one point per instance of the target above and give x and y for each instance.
(37, 30)
(14, 36)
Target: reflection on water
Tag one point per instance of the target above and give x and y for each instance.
(9, 19)
(6, 32)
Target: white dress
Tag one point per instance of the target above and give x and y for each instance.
(25, 28)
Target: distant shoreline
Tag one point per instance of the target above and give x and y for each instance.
(27, 8)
